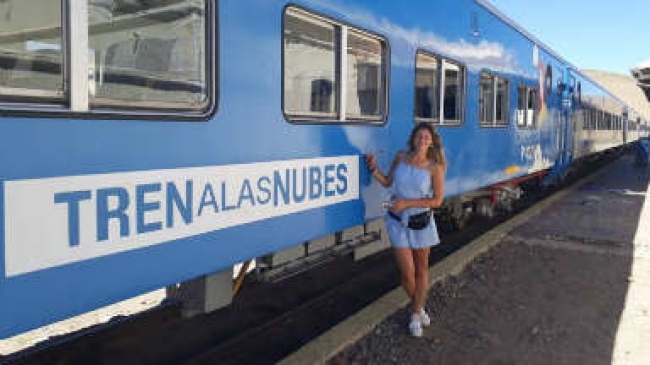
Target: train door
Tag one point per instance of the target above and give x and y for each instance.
(564, 131)
(566, 128)
(578, 119)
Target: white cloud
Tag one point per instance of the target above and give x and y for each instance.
(405, 41)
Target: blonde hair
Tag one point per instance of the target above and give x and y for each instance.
(435, 152)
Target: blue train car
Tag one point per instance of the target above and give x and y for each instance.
(146, 143)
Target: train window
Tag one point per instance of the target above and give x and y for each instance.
(440, 90)
(501, 117)
(364, 77)
(148, 54)
(326, 82)
(310, 54)
(579, 95)
(493, 100)
(594, 118)
(526, 106)
(608, 121)
(486, 99)
(427, 92)
(602, 123)
(453, 91)
(31, 52)
(125, 54)
(521, 106)
(548, 81)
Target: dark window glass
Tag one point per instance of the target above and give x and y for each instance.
(522, 93)
(501, 101)
(426, 88)
(439, 81)
(531, 112)
(548, 82)
(453, 93)
(486, 99)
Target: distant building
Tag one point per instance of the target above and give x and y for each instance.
(625, 88)
(642, 76)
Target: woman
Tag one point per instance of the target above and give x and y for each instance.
(413, 177)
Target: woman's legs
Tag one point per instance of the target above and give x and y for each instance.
(414, 271)
(421, 268)
(404, 259)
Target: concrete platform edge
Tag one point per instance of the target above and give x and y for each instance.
(326, 346)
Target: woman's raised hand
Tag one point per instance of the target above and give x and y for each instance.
(371, 161)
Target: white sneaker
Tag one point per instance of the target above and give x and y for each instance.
(415, 327)
(424, 318)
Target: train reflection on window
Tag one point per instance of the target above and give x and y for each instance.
(148, 53)
(439, 90)
(31, 56)
(313, 68)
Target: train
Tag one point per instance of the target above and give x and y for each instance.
(146, 144)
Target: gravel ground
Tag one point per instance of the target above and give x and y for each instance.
(516, 304)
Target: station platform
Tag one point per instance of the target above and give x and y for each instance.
(566, 282)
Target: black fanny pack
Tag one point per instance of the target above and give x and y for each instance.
(417, 221)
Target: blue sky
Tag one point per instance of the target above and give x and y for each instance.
(610, 35)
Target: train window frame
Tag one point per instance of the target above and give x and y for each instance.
(505, 107)
(522, 115)
(588, 118)
(594, 118)
(438, 118)
(113, 103)
(341, 115)
(76, 65)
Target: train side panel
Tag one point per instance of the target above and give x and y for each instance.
(98, 208)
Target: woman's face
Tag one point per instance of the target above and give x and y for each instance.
(422, 139)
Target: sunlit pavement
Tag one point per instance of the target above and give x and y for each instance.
(632, 344)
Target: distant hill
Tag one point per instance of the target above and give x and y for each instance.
(624, 87)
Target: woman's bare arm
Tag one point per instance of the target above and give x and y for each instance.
(386, 180)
